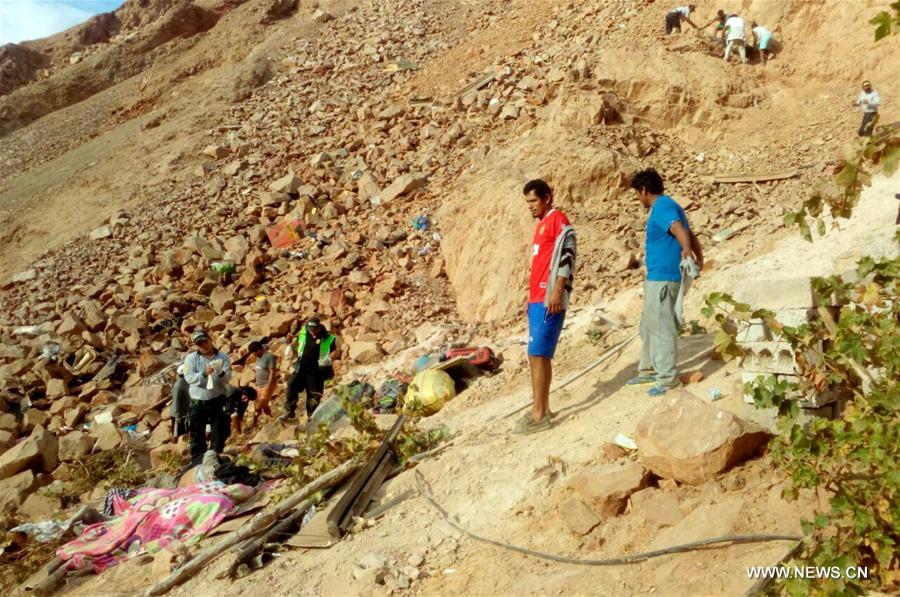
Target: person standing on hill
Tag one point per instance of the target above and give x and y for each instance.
(670, 248)
(207, 371)
(550, 284)
(762, 37)
(266, 379)
(674, 18)
(312, 369)
(869, 100)
(734, 35)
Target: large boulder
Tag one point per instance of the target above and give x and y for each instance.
(221, 299)
(657, 507)
(108, 436)
(38, 453)
(403, 185)
(7, 439)
(365, 352)
(686, 439)
(8, 422)
(606, 487)
(75, 445)
(577, 516)
(706, 522)
(15, 489)
(34, 417)
(137, 399)
(40, 507)
(274, 324)
(71, 325)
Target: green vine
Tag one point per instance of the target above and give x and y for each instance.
(852, 351)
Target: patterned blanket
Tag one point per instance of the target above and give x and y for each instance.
(150, 521)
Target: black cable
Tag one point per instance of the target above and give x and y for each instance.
(733, 539)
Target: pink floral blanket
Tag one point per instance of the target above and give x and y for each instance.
(150, 521)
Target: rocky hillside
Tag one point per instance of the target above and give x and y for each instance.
(147, 154)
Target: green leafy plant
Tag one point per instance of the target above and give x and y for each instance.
(840, 194)
(885, 24)
(595, 336)
(321, 449)
(693, 328)
(852, 351)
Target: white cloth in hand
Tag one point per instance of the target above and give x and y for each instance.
(689, 271)
(216, 366)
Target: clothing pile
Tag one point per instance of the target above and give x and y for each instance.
(150, 521)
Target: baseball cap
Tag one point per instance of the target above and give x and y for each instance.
(199, 336)
(313, 322)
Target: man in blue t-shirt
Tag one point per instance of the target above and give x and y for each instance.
(669, 240)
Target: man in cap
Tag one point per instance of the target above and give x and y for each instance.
(676, 15)
(869, 100)
(312, 368)
(207, 372)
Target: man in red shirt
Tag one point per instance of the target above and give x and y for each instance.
(552, 272)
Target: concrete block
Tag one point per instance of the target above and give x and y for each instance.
(792, 317)
(753, 331)
(790, 293)
(807, 415)
(768, 357)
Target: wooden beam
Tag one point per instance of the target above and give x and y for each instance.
(357, 485)
(755, 177)
(477, 84)
(260, 523)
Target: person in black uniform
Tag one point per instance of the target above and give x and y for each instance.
(312, 368)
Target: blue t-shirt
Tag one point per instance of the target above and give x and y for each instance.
(662, 248)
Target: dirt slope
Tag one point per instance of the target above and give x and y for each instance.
(582, 93)
(723, 119)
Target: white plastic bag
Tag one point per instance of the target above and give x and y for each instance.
(211, 378)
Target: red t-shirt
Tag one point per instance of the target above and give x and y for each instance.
(542, 253)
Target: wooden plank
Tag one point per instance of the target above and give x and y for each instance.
(756, 177)
(359, 481)
(260, 523)
(373, 483)
(477, 84)
(319, 532)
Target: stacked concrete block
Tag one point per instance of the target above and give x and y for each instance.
(768, 353)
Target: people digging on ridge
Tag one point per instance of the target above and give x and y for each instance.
(762, 37)
(869, 100)
(719, 20)
(675, 16)
(207, 372)
(312, 368)
(550, 284)
(734, 36)
(669, 243)
(266, 379)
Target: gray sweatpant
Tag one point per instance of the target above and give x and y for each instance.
(659, 332)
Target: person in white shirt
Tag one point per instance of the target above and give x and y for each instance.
(762, 37)
(674, 18)
(734, 36)
(869, 100)
(207, 372)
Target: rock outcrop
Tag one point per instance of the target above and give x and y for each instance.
(686, 439)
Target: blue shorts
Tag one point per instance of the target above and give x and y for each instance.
(543, 330)
(764, 41)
